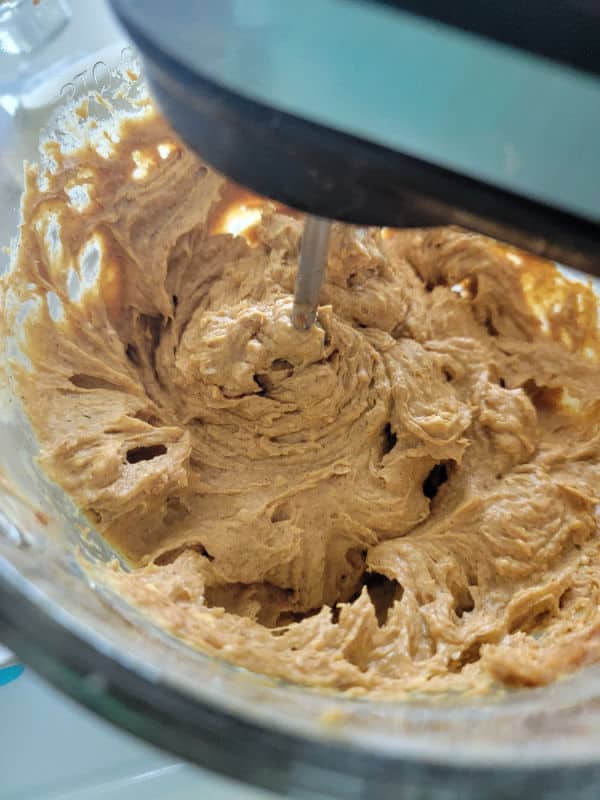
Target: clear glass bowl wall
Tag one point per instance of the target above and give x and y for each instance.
(264, 732)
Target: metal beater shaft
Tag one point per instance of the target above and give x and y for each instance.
(313, 260)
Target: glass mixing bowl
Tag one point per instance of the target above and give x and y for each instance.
(296, 741)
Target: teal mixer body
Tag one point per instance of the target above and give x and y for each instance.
(368, 112)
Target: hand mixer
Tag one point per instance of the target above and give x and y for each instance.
(397, 112)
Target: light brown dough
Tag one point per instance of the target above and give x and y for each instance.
(404, 498)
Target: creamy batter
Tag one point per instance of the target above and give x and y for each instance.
(403, 498)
